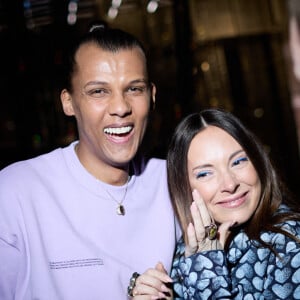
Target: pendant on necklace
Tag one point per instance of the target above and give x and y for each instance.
(121, 210)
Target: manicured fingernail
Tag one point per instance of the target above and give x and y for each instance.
(233, 224)
(193, 206)
(164, 288)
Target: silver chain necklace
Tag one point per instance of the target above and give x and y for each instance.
(120, 208)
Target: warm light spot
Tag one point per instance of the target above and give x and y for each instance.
(112, 12)
(258, 112)
(152, 6)
(205, 66)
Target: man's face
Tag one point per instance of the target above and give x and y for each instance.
(110, 101)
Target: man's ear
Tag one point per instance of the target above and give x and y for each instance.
(153, 94)
(66, 101)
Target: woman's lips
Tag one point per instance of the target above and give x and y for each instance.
(233, 202)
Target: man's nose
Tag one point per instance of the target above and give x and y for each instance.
(120, 105)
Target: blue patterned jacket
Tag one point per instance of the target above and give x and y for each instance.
(246, 271)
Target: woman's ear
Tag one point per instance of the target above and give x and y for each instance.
(153, 93)
(66, 101)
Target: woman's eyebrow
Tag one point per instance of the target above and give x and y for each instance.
(235, 153)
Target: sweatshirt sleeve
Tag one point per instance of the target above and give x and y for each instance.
(9, 268)
(12, 243)
(202, 276)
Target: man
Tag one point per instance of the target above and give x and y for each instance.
(77, 222)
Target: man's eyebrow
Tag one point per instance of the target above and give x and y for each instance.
(146, 81)
(95, 82)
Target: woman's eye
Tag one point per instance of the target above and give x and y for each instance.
(202, 174)
(240, 160)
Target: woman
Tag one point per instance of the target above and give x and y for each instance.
(241, 229)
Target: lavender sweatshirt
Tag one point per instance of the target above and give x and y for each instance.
(60, 236)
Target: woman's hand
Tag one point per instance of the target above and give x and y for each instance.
(198, 239)
(153, 284)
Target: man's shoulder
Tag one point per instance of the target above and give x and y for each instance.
(156, 163)
(143, 165)
(35, 165)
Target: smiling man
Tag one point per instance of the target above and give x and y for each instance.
(75, 223)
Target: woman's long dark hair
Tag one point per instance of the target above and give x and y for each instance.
(273, 189)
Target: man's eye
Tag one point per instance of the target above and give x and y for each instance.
(96, 93)
(137, 89)
(240, 161)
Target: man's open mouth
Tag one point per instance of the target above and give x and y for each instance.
(118, 130)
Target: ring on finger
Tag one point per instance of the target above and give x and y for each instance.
(211, 231)
(132, 283)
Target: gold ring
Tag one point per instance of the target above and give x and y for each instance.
(211, 231)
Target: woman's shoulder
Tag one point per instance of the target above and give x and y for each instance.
(290, 225)
(285, 238)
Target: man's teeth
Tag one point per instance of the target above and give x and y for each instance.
(119, 130)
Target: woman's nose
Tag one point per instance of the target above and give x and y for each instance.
(229, 182)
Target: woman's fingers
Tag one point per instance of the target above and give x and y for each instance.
(224, 231)
(198, 238)
(152, 284)
(196, 232)
(158, 273)
(204, 213)
(192, 245)
(201, 216)
(198, 223)
(143, 291)
(160, 267)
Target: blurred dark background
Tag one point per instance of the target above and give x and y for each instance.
(231, 54)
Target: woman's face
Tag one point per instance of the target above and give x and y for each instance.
(220, 170)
